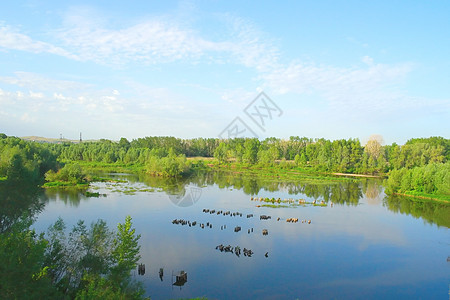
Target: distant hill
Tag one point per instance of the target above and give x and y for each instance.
(41, 139)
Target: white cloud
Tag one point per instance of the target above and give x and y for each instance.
(11, 39)
(164, 40)
(151, 41)
(370, 88)
(37, 82)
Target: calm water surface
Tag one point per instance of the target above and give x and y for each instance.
(365, 246)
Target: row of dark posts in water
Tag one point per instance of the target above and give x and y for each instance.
(141, 271)
(209, 225)
(228, 213)
(225, 213)
(261, 217)
(236, 250)
(190, 224)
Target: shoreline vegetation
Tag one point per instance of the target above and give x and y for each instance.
(439, 198)
(419, 168)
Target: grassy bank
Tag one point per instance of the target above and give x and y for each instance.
(419, 195)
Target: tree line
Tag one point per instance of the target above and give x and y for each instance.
(345, 155)
(167, 156)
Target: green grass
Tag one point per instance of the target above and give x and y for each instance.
(3, 178)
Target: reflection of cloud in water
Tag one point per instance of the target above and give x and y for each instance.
(326, 221)
(411, 274)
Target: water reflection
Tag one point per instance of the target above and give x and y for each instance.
(180, 191)
(69, 196)
(372, 189)
(432, 212)
(345, 192)
(17, 200)
(180, 278)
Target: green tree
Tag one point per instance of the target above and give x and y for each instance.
(221, 153)
(23, 273)
(124, 143)
(125, 253)
(251, 147)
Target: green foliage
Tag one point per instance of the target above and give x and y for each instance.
(71, 173)
(221, 153)
(251, 147)
(22, 268)
(94, 262)
(171, 165)
(125, 253)
(347, 156)
(433, 179)
(24, 161)
(436, 142)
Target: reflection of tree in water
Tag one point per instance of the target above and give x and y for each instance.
(345, 192)
(372, 189)
(17, 200)
(432, 212)
(172, 186)
(71, 196)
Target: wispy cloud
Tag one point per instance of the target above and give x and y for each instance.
(12, 39)
(38, 82)
(164, 40)
(368, 88)
(150, 41)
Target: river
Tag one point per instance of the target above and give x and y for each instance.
(363, 246)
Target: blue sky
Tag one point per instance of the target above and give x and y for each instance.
(336, 69)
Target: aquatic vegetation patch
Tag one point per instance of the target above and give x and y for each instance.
(275, 206)
(94, 194)
(286, 203)
(128, 189)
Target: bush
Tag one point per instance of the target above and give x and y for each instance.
(69, 173)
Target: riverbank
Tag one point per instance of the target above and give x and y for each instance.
(439, 198)
(358, 175)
